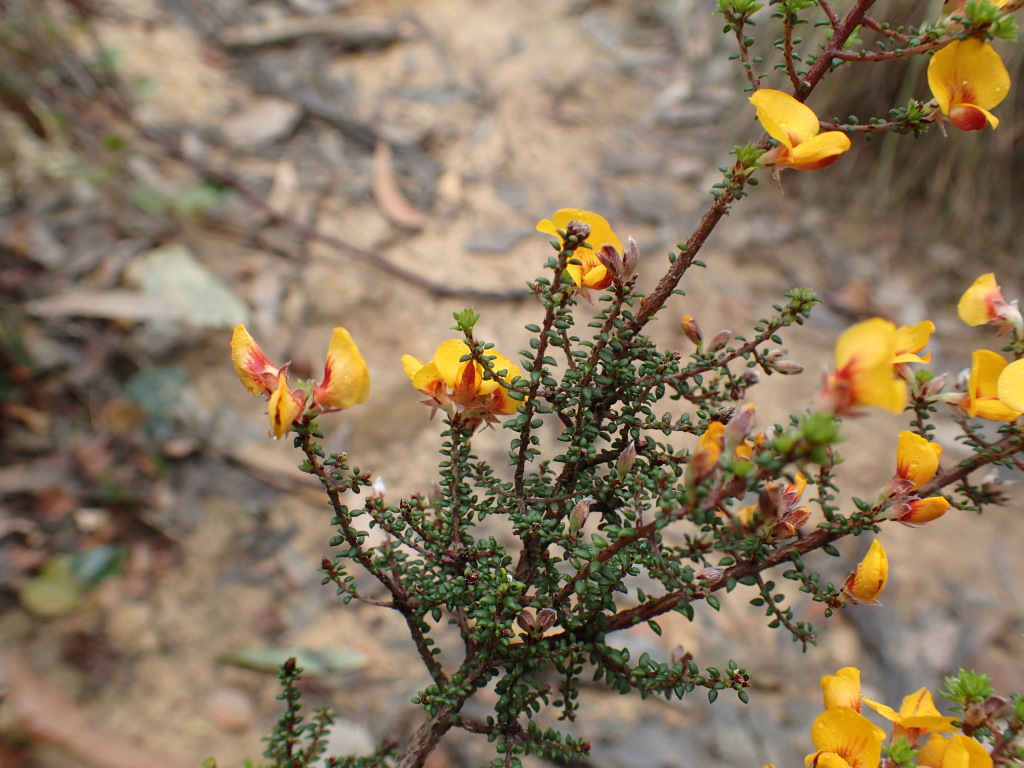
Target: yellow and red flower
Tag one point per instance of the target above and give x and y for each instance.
(346, 380)
(866, 583)
(589, 273)
(983, 304)
(460, 387)
(967, 79)
(795, 126)
(864, 372)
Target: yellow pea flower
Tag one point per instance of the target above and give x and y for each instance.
(917, 716)
(590, 273)
(983, 304)
(346, 380)
(459, 387)
(845, 738)
(958, 751)
(982, 397)
(917, 460)
(795, 126)
(866, 583)
(864, 372)
(967, 79)
(842, 689)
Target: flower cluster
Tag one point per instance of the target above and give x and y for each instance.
(843, 737)
(346, 380)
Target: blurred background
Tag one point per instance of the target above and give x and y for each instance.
(169, 169)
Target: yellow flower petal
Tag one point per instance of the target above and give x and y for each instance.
(848, 734)
(252, 367)
(784, 118)
(411, 365)
(346, 380)
(918, 710)
(842, 689)
(284, 407)
(917, 460)
(976, 306)
(924, 511)
(911, 339)
(447, 358)
(818, 151)
(1010, 386)
(983, 387)
(958, 751)
(427, 377)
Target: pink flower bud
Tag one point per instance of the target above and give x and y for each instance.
(626, 460)
(691, 329)
(719, 340)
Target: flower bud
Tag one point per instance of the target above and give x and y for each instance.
(719, 340)
(774, 355)
(609, 256)
(691, 329)
(578, 517)
(626, 460)
(935, 385)
(546, 619)
(739, 426)
(751, 377)
(526, 620)
(379, 488)
(709, 575)
(788, 367)
(578, 229)
(630, 259)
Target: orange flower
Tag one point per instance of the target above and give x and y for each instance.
(917, 716)
(459, 386)
(589, 273)
(983, 304)
(866, 583)
(958, 751)
(864, 371)
(967, 79)
(795, 126)
(845, 738)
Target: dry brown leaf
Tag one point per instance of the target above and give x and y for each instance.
(48, 716)
(387, 194)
